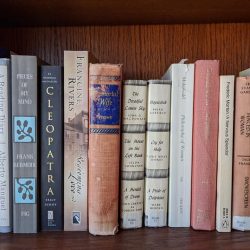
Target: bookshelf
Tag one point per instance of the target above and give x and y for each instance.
(146, 36)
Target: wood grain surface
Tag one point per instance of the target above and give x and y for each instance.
(164, 238)
(79, 12)
(145, 50)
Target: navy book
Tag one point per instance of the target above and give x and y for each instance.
(51, 148)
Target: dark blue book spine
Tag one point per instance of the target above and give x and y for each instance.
(51, 149)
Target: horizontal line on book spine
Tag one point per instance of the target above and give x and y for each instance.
(156, 173)
(132, 175)
(104, 131)
(243, 155)
(136, 83)
(134, 128)
(167, 82)
(158, 127)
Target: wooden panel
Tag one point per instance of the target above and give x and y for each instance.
(145, 51)
(79, 12)
(163, 238)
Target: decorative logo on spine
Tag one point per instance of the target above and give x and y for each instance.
(24, 129)
(76, 218)
(25, 190)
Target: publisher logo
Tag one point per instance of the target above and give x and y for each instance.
(24, 128)
(76, 218)
(50, 215)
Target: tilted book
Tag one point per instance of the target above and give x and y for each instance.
(75, 140)
(133, 153)
(241, 169)
(205, 142)
(225, 154)
(182, 77)
(104, 147)
(5, 148)
(24, 137)
(157, 153)
(51, 131)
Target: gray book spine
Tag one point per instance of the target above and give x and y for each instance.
(5, 148)
(24, 137)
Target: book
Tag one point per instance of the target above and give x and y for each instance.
(75, 140)
(157, 153)
(182, 77)
(225, 154)
(241, 168)
(133, 153)
(24, 137)
(205, 142)
(104, 147)
(5, 148)
(51, 150)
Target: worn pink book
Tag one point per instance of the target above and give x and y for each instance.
(205, 137)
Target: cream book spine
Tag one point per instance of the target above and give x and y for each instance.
(133, 153)
(157, 153)
(182, 77)
(225, 154)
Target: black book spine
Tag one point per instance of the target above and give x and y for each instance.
(51, 149)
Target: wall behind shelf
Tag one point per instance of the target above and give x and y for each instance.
(145, 50)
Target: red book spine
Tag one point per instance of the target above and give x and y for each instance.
(205, 137)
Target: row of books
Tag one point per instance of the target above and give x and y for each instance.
(74, 173)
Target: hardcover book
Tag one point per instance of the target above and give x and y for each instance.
(241, 176)
(133, 153)
(104, 147)
(5, 148)
(24, 137)
(182, 77)
(157, 153)
(205, 140)
(225, 154)
(51, 148)
(75, 140)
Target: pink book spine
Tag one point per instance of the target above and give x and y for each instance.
(205, 137)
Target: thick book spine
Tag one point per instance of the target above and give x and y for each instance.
(24, 126)
(75, 140)
(225, 154)
(133, 153)
(182, 77)
(104, 147)
(157, 153)
(5, 148)
(51, 131)
(205, 142)
(241, 175)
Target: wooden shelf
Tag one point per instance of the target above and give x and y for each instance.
(82, 12)
(164, 238)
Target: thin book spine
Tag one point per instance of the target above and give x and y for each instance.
(225, 154)
(24, 137)
(75, 140)
(157, 153)
(5, 148)
(104, 147)
(133, 153)
(51, 130)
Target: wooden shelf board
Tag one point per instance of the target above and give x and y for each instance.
(164, 238)
(113, 12)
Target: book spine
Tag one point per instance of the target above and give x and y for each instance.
(51, 148)
(182, 77)
(241, 176)
(5, 148)
(133, 153)
(157, 153)
(225, 154)
(205, 140)
(104, 147)
(75, 140)
(24, 125)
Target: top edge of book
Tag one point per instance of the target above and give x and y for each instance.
(245, 73)
(4, 61)
(106, 64)
(212, 60)
(243, 77)
(227, 76)
(159, 81)
(26, 56)
(135, 82)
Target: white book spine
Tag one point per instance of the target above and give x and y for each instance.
(133, 153)
(157, 153)
(225, 153)
(5, 142)
(182, 77)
